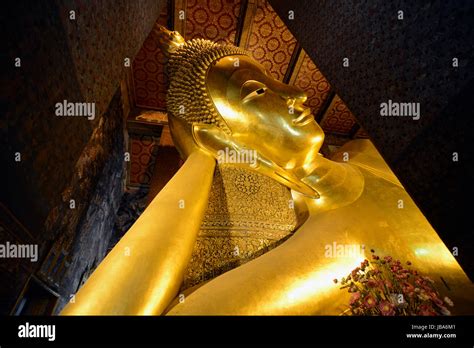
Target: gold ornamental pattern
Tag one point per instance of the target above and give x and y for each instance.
(248, 214)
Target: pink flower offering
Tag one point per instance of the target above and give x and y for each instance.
(386, 308)
(355, 297)
(370, 301)
(383, 286)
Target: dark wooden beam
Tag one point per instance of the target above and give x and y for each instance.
(240, 23)
(292, 63)
(246, 19)
(324, 108)
(169, 14)
(355, 128)
(179, 25)
(146, 122)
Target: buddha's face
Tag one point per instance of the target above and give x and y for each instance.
(264, 114)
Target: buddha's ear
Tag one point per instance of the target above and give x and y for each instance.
(211, 138)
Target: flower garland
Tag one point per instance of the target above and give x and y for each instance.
(383, 286)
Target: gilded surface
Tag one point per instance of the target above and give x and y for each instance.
(247, 215)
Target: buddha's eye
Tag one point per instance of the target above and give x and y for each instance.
(252, 89)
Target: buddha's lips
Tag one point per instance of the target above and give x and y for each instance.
(304, 118)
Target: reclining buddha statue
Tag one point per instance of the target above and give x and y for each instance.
(245, 225)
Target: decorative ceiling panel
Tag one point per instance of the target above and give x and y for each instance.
(149, 77)
(312, 81)
(338, 118)
(270, 42)
(214, 20)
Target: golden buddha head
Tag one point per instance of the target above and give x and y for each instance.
(220, 98)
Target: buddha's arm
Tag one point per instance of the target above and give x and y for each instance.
(143, 272)
(293, 279)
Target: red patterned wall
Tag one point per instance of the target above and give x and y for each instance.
(312, 81)
(143, 150)
(214, 20)
(149, 78)
(270, 42)
(338, 118)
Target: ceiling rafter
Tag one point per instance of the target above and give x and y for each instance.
(355, 128)
(178, 20)
(294, 60)
(325, 107)
(240, 22)
(246, 22)
(293, 75)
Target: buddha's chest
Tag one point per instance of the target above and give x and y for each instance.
(247, 215)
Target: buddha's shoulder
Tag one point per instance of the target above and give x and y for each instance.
(363, 154)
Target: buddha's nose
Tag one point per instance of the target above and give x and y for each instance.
(294, 96)
(288, 92)
(300, 97)
(296, 101)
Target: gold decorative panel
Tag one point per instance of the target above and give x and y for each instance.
(247, 215)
